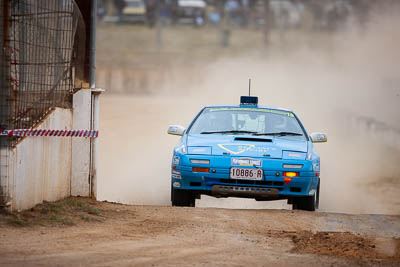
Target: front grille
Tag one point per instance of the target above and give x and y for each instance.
(295, 189)
(246, 191)
(249, 182)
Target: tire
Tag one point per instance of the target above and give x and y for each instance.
(310, 203)
(182, 198)
(317, 198)
(305, 203)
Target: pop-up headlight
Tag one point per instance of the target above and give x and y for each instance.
(294, 155)
(200, 161)
(199, 150)
(292, 166)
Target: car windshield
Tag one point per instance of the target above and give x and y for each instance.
(254, 121)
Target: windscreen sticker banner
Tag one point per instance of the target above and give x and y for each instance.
(285, 113)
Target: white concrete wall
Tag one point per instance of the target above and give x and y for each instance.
(52, 168)
(80, 180)
(40, 167)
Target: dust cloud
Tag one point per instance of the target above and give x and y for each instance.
(339, 83)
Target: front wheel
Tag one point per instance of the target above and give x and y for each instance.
(182, 198)
(310, 203)
(317, 200)
(305, 203)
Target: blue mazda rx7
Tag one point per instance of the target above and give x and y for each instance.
(246, 151)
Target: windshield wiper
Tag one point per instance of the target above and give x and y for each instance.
(280, 134)
(228, 132)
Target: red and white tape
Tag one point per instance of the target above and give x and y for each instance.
(41, 132)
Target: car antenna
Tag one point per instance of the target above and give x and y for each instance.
(249, 85)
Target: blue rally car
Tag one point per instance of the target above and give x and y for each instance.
(246, 151)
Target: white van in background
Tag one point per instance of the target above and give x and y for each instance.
(134, 11)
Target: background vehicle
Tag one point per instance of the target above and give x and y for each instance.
(246, 151)
(191, 11)
(134, 11)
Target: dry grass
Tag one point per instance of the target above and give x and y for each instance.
(65, 212)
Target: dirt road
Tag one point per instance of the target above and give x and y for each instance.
(82, 232)
(326, 78)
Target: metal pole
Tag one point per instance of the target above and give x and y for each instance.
(94, 143)
(95, 102)
(92, 75)
(5, 104)
(249, 86)
(5, 93)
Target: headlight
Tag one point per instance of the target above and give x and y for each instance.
(176, 160)
(199, 150)
(181, 149)
(292, 166)
(293, 155)
(200, 161)
(316, 167)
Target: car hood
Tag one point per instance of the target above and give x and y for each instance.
(243, 145)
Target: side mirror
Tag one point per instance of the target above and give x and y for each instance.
(318, 138)
(176, 130)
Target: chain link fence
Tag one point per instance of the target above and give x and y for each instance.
(39, 59)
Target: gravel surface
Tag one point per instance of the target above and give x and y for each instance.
(83, 232)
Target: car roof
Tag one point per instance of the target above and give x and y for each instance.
(248, 106)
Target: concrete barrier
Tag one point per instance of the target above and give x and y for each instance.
(49, 168)
(40, 167)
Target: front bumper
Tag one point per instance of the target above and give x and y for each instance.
(217, 182)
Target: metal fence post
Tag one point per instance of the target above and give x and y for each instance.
(95, 101)
(4, 103)
(94, 142)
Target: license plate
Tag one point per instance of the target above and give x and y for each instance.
(246, 174)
